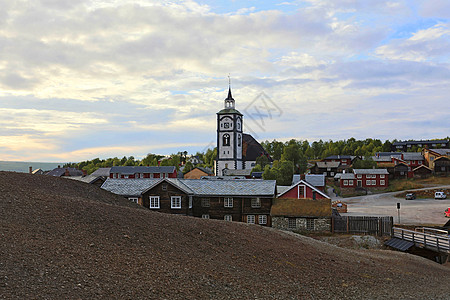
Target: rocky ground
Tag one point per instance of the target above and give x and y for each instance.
(62, 239)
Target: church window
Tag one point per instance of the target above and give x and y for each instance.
(239, 140)
(226, 140)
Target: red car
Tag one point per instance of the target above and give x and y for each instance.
(447, 212)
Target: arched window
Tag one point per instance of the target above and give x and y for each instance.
(226, 139)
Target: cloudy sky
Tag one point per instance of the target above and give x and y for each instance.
(85, 79)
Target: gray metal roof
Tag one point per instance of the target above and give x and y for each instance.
(129, 170)
(128, 187)
(87, 179)
(412, 156)
(328, 164)
(399, 244)
(315, 179)
(102, 172)
(442, 151)
(340, 157)
(238, 187)
(382, 158)
(371, 171)
(346, 176)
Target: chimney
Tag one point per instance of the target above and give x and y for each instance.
(59, 167)
(66, 173)
(30, 170)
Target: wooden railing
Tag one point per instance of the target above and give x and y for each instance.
(437, 241)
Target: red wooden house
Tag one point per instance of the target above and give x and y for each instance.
(303, 190)
(371, 178)
(134, 172)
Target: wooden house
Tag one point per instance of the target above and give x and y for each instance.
(316, 180)
(329, 169)
(239, 200)
(136, 172)
(422, 172)
(442, 165)
(302, 207)
(198, 173)
(430, 155)
(364, 179)
(428, 144)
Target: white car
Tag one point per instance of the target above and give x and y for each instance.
(440, 195)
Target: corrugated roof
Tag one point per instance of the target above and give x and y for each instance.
(441, 151)
(238, 187)
(101, 172)
(371, 171)
(399, 244)
(328, 164)
(245, 187)
(129, 170)
(412, 156)
(315, 179)
(347, 176)
(128, 187)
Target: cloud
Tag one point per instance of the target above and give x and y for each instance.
(140, 74)
(429, 44)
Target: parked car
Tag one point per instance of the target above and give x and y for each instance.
(410, 196)
(440, 195)
(447, 212)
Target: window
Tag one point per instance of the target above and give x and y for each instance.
(205, 216)
(382, 182)
(368, 182)
(374, 182)
(205, 202)
(350, 182)
(239, 140)
(301, 191)
(381, 176)
(164, 186)
(251, 219)
(154, 201)
(332, 174)
(226, 140)
(292, 223)
(228, 202)
(358, 176)
(256, 202)
(175, 202)
(309, 224)
(228, 218)
(262, 219)
(345, 182)
(190, 201)
(135, 200)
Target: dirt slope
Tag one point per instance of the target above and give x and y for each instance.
(62, 239)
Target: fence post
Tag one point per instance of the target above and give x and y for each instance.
(347, 224)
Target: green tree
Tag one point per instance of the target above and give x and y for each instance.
(366, 163)
(262, 161)
(188, 167)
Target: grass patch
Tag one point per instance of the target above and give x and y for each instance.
(403, 184)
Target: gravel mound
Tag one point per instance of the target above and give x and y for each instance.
(63, 239)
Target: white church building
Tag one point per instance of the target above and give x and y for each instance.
(236, 151)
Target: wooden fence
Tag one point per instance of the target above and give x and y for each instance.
(381, 226)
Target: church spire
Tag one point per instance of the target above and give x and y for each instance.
(229, 101)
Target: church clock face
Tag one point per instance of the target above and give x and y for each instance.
(226, 125)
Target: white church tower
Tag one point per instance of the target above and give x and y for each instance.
(229, 138)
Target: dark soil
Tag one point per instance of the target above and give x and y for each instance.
(62, 239)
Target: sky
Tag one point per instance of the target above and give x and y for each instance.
(86, 79)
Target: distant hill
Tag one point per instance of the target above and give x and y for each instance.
(23, 167)
(63, 239)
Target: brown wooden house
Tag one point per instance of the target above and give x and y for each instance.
(442, 165)
(239, 200)
(198, 173)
